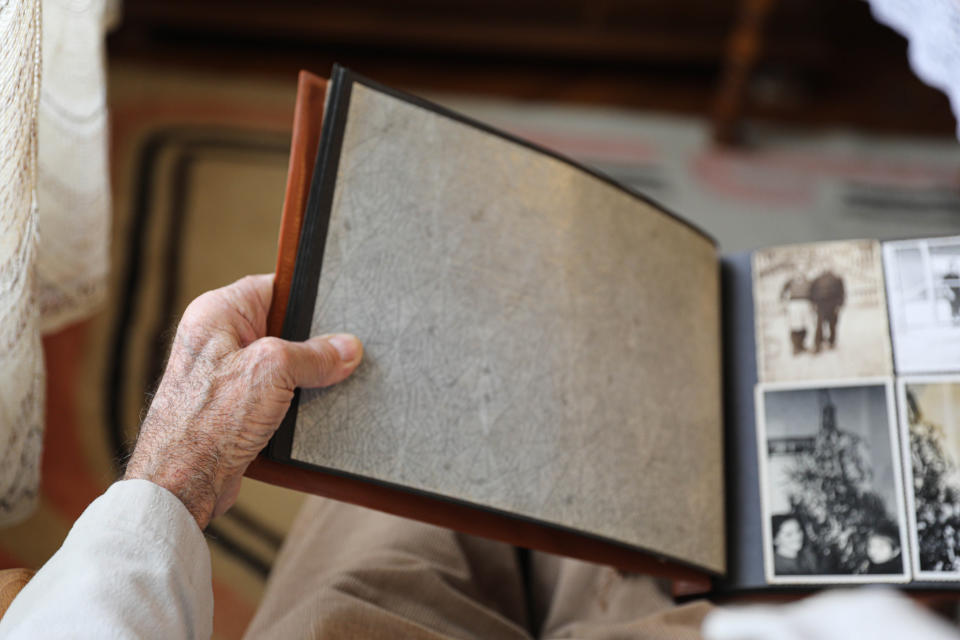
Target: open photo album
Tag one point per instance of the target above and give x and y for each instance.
(839, 365)
(561, 363)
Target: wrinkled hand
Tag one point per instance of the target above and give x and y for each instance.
(224, 392)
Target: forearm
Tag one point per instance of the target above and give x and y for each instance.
(134, 565)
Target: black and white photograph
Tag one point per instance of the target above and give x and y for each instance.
(923, 289)
(820, 312)
(930, 428)
(831, 483)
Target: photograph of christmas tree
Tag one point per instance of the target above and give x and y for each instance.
(820, 312)
(923, 289)
(831, 483)
(930, 422)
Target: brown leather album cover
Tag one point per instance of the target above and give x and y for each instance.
(308, 119)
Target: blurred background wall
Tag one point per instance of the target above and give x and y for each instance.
(806, 62)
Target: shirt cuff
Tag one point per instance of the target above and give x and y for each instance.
(142, 508)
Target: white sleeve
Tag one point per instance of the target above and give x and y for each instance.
(871, 613)
(134, 565)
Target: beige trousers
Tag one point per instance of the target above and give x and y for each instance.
(348, 572)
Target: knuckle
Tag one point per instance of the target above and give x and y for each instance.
(190, 337)
(271, 360)
(196, 316)
(246, 282)
(195, 328)
(200, 306)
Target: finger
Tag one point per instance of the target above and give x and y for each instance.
(318, 362)
(256, 290)
(241, 306)
(261, 286)
(327, 360)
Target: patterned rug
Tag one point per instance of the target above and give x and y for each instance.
(199, 165)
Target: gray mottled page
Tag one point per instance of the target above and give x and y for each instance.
(537, 340)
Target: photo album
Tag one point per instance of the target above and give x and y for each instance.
(558, 362)
(855, 410)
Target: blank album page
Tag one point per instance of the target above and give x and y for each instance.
(539, 340)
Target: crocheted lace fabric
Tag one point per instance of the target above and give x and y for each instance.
(54, 210)
(73, 190)
(933, 30)
(21, 360)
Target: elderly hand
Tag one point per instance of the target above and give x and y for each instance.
(224, 392)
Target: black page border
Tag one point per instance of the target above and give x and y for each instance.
(309, 261)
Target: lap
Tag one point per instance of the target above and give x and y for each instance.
(345, 571)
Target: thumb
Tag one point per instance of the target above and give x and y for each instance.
(320, 361)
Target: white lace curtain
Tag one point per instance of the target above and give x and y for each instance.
(54, 209)
(933, 29)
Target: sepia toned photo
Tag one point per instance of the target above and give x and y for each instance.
(923, 289)
(820, 312)
(831, 483)
(930, 428)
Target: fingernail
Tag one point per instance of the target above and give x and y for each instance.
(346, 345)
